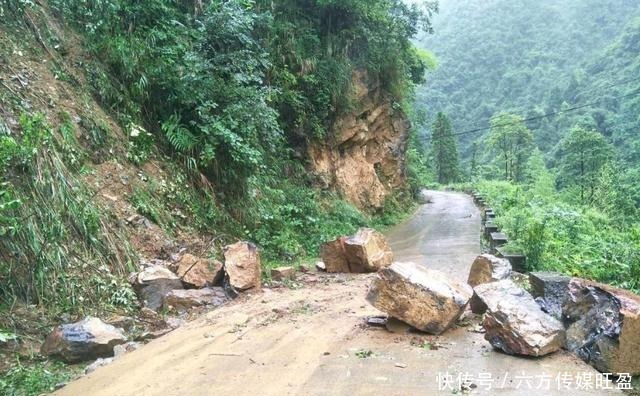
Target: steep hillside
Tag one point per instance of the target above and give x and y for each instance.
(131, 133)
(528, 57)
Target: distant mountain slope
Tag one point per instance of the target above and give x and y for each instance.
(533, 57)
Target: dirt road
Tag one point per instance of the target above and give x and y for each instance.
(314, 340)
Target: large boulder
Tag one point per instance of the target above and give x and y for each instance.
(199, 272)
(426, 299)
(549, 289)
(242, 265)
(366, 251)
(334, 257)
(77, 342)
(182, 300)
(153, 283)
(488, 268)
(603, 326)
(514, 322)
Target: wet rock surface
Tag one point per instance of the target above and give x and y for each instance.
(88, 339)
(488, 268)
(550, 290)
(514, 322)
(603, 326)
(242, 265)
(154, 283)
(425, 299)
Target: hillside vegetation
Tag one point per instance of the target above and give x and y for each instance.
(544, 103)
(131, 130)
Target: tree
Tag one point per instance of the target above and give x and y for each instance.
(584, 152)
(513, 141)
(444, 150)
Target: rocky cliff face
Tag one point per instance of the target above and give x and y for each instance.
(364, 159)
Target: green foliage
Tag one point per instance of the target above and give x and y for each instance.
(566, 237)
(584, 154)
(444, 150)
(34, 379)
(54, 238)
(511, 140)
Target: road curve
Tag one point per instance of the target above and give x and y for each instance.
(309, 341)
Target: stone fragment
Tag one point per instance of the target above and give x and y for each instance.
(242, 265)
(199, 272)
(514, 322)
(183, 300)
(122, 349)
(283, 273)
(488, 268)
(603, 326)
(153, 284)
(85, 340)
(550, 290)
(426, 299)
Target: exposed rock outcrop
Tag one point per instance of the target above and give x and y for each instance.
(425, 299)
(364, 159)
(514, 322)
(603, 326)
(88, 339)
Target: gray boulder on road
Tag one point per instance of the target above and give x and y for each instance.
(425, 299)
(514, 322)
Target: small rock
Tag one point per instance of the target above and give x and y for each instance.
(320, 266)
(514, 322)
(488, 268)
(603, 326)
(425, 299)
(154, 283)
(182, 300)
(400, 365)
(174, 323)
(88, 339)
(242, 265)
(549, 289)
(98, 363)
(122, 322)
(282, 273)
(199, 272)
(377, 321)
(122, 349)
